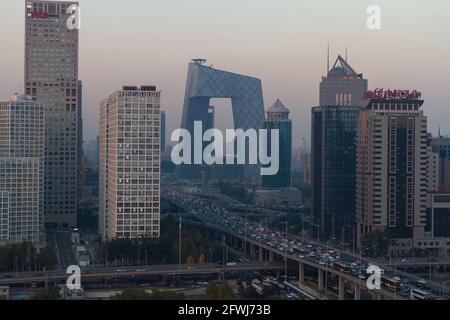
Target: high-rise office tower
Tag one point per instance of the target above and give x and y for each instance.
(130, 164)
(278, 119)
(51, 77)
(21, 170)
(333, 152)
(163, 131)
(205, 83)
(392, 166)
(441, 145)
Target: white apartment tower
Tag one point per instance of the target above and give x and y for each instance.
(392, 161)
(22, 124)
(129, 192)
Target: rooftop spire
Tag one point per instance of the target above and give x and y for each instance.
(341, 69)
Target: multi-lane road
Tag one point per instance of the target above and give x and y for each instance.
(346, 265)
(136, 271)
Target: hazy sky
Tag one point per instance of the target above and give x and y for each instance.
(282, 42)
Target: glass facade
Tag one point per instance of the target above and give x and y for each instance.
(246, 96)
(334, 139)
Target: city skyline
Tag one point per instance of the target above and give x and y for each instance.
(288, 69)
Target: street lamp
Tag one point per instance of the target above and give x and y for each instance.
(429, 251)
(318, 227)
(444, 285)
(390, 250)
(353, 236)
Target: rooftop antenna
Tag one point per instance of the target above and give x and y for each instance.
(346, 53)
(199, 61)
(328, 57)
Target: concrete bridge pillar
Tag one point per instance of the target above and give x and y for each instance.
(357, 292)
(271, 258)
(321, 279)
(341, 288)
(301, 273)
(261, 254)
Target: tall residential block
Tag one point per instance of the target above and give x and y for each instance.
(51, 77)
(163, 131)
(392, 164)
(130, 164)
(22, 124)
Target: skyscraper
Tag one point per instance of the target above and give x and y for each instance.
(163, 131)
(21, 170)
(392, 166)
(204, 83)
(51, 77)
(130, 163)
(333, 151)
(278, 119)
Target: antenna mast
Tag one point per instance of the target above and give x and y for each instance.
(328, 57)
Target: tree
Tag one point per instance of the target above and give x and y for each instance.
(167, 295)
(225, 292)
(132, 294)
(219, 292)
(202, 259)
(52, 293)
(190, 260)
(377, 243)
(212, 291)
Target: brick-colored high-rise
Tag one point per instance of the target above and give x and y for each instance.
(51, 77)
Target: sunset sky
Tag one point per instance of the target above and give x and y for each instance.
(282, 42)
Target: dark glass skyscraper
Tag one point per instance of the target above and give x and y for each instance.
(278, 119)
(334, 135)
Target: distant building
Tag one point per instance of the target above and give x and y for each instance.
(441, 145)
(438, 215)
(392, 163)
(433, 170)
(129, 196)
(22, 123)
(333, 151)
(284, 197)
(4, 216)
(278, 119)
(4, 292)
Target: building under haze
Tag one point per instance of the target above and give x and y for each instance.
(278, 119)
(333, 152)
(21, 170)
(129, 195)
(51, 77)
(441, 146)
(205, 83)
(392, 182)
